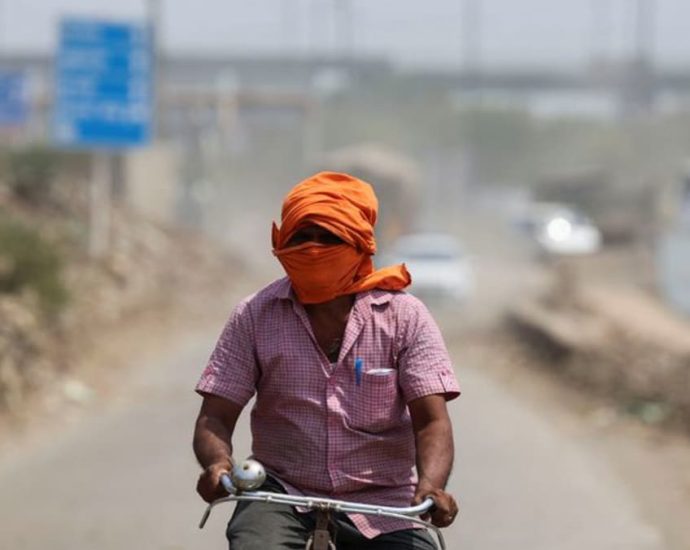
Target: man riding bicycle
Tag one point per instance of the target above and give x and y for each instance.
(351, 378)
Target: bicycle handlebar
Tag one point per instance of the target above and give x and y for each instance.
(409, 513)
(227, 484)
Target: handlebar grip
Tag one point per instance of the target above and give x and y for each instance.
(227, 484)
(430, 505)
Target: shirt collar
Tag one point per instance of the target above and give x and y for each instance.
(283, 290)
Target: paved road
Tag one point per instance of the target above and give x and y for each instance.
(526, 485)
(123, 479)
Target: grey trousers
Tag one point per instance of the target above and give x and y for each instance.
(260, 526)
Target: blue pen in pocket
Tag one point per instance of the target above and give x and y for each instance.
(359, 364)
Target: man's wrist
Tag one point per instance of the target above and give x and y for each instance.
(427, 484)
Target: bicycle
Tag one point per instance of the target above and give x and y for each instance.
(250, 475)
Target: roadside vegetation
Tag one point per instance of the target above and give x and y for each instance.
(56, 301)
(33, 293)
(31, 265)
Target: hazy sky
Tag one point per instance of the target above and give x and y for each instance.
(419, 32)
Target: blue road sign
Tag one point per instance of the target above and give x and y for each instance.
(14, 108)
(103, 84)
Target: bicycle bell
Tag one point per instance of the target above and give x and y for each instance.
(248, 475)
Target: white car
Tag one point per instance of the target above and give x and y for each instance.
(568, 235)
(439, 267)
(560, 230)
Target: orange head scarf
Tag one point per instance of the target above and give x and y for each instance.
(347, 207)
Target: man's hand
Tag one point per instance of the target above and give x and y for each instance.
(434, 440)
(445, 509)
(212, 436)
(209, 486)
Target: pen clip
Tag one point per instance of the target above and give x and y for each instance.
(358, 371)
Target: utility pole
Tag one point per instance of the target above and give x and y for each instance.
(471, 66)
(154, 10)
(645, 22)
(639, 86)
(289, 25)
(344, 27)
(601, 30)
(471, 35)
(2, 23)
(316, 16)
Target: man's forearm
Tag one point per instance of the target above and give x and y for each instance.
(435, 453)
(212, 443)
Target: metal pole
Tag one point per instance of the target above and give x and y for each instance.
(644, 30)
(344, 27)
(639, 94)
(314, 18)
(99, 207)
(155, 17)
(600, 38)
(471, 35)
(2, 22)
(289, 25)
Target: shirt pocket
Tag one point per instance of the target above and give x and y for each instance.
(377, 402)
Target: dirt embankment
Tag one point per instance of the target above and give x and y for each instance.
(153, 281)
(614, 339)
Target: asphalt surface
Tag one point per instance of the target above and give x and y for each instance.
(123, 475)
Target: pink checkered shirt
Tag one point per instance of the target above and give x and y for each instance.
(313, 427)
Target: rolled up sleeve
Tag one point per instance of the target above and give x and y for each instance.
(232, 370)
(424, 365)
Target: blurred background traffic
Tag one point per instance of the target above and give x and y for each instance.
(531, 159)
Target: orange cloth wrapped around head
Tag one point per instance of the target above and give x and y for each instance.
(346, 207)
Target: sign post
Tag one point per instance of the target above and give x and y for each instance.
(14, 107)
(104, 102)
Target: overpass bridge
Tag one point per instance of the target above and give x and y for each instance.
(196, 82)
